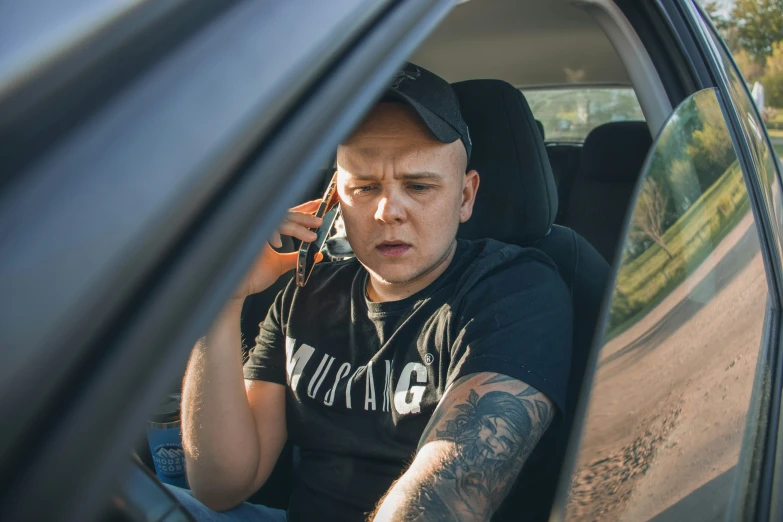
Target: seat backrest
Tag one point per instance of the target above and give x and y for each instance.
(612, 160)
(541, 129)
(517, 203)
(517, 198)
(564, 160)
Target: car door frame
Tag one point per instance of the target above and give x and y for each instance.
(74, 432)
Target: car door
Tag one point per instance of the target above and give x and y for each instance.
(148, 149)
(681, 413)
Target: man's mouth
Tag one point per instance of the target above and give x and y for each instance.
(393, 248)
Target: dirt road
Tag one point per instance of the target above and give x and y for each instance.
(671, 394)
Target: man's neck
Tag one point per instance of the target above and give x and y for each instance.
(381, 291)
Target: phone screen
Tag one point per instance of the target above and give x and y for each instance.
(328, 210)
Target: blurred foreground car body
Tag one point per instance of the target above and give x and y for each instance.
(147, 149)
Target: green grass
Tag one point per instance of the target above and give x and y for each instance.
(775, 134)
(644, 282)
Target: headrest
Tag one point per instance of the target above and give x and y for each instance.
(517, 197)
(541, 129)
(616, 151)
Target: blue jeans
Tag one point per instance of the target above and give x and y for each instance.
(242, 513)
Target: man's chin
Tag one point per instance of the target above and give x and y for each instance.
(394, 277)
(399, 271)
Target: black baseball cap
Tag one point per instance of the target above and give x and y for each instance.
(434, 101)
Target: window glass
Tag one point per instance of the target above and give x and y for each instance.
(569, 114)
(675, 371)
(763, 156)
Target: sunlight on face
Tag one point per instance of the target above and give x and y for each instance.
(402, 194)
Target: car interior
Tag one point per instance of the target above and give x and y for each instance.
(568, 198)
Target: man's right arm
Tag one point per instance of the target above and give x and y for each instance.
(233, 430)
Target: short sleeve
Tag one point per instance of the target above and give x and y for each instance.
(517, 321)
(266, 361)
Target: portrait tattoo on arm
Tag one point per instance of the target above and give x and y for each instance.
(475, 444)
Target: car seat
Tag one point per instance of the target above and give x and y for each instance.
(612, 159)
(541, 129)
(564, 160)
(517, 203)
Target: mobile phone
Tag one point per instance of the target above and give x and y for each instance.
(327, 210)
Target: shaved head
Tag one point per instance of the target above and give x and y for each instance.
(397, 122)
(403, 194)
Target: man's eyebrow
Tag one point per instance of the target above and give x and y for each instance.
(404, 175)
(420, 175)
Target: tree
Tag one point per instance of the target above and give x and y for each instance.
(750, 69)
(710, 149)
(725, 26)
(759, 24)
(684, 184)
(651, 213)
(773, 76)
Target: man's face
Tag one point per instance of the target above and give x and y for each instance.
(402, 194)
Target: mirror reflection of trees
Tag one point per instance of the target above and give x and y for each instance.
(691, 197)
(652, 211)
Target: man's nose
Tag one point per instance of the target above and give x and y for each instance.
(390, 210)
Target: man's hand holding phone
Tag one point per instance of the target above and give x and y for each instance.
(270, 265)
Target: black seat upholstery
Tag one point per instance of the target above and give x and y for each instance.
(564, 159)
(517, 197)
(541, 129)
(612, 160)
(517, 203)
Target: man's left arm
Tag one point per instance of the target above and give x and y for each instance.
(484, 428)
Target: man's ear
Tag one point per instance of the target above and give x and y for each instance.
(470, 188)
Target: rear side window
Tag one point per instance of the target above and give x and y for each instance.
(569, 114)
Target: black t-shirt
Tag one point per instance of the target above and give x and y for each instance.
(363, 378)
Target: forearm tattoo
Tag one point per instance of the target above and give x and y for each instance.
(492, 430)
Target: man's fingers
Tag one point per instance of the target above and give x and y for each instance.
(300, 232)
(275, 240)
(306, 220)
(298, 223)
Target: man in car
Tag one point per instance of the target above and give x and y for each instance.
(417, 378)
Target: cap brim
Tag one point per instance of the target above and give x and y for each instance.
(442, 130)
